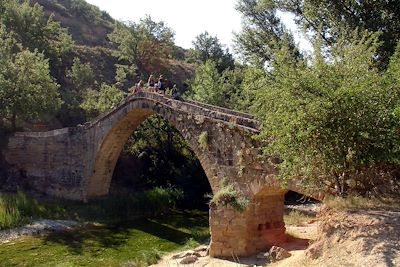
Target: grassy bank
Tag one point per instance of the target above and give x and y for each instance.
(19, 209)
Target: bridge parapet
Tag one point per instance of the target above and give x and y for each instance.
(193, 107)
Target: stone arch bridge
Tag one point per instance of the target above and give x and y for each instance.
(78, 163)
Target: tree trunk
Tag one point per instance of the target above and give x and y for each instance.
(14, 121)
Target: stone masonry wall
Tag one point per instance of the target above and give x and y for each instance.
(52, 162)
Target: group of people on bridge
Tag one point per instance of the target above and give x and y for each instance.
(159, 86)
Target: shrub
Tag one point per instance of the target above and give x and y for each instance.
(17, 209)
(228, 195)
(115, 207)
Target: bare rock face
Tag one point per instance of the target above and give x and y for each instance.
(278, 253)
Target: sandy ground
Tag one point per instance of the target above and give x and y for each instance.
(295, 245)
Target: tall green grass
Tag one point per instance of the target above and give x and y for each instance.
(17, 209)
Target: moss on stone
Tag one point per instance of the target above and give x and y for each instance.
(203, 140)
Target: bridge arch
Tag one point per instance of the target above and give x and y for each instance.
(113, 129)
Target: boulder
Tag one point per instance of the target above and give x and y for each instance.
(189, 259)
(278, 253)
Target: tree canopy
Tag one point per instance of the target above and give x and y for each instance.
(329, 19)
(27, 91)
(145, 45)
(262, 32)
(331, 122)
(29, 28)
(207, 47)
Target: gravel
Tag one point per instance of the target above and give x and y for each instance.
(40, 227)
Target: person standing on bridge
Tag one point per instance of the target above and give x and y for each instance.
(151, 82)
(175, 93)
(139, 87)
(161, 84)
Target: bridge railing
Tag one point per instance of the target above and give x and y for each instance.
(191, 106)
(221, 109)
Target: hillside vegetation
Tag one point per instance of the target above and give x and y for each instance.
(87, 24)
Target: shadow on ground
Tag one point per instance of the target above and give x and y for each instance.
(177, 228)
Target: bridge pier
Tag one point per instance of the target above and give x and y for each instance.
(246, 233)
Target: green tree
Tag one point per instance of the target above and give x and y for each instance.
(96, 102)
(208, 47)
(262, 32)
(80, 78)
(330, 120)
(232, 81)
(392, 74)
(27, 91)
(166, 160)
(207, 85)
(253, 81)
(124, 75)
(144, 45)
(331, 19)
(81, 75)
(224, 90)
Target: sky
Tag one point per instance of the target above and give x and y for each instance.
(188, 18)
